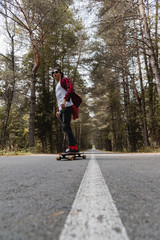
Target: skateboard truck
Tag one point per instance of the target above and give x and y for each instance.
(71, 156)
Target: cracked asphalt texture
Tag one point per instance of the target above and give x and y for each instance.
(134, 183)
(36, 195)
(37, 192)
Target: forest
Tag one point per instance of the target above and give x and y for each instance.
(113, 63)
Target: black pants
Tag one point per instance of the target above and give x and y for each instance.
(65, 117)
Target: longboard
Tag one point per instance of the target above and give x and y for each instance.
(71, 156)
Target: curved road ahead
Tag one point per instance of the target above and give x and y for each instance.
(106, 196)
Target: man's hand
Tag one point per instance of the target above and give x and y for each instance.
(57, 114)
(63, 104)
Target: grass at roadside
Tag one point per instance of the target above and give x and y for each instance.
(28, 151)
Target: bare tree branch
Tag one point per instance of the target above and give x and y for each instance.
(6, 57)
(43, 17)
(49, 30)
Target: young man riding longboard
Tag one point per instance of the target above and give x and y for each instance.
(68, 103)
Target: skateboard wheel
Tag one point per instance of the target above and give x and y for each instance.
(70, 157)
(58, 158)
(84, 156)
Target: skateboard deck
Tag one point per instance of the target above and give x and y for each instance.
(71, 156)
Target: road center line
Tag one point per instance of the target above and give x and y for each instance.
(93, 215)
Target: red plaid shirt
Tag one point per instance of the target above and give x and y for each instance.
(76, 99)
(67, 85)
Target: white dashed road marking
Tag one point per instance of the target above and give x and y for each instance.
(93, 216)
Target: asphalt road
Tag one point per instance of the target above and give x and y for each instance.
(37, 193)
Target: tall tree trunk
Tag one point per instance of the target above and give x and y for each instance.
(10, 97)
(156, 31)
(76, 67)
(144, 121)
(10, 92)
(32, 110)
(149, 44)
(152, 127)
(113, 129)
(127, 111)
(142, 107)
(80, 135)
(33, 95)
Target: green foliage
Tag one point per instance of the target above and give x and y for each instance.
(58, 37)
(118, 122)
(17, 130)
